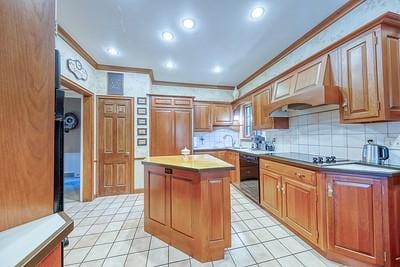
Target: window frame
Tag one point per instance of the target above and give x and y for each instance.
(247, 120)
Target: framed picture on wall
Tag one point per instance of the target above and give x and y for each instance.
(141, 131)
(141, 101)
(141, 121)
(142, 111)
(142, 141)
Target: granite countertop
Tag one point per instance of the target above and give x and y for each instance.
(195, 162)
(350, 167)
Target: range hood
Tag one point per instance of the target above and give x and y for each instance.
(310, 85)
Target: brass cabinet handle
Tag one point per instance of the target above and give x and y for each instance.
(278, 187)
(300, 175)
(330, 190)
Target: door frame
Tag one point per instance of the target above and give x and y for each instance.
(132, 161)
(87, 136)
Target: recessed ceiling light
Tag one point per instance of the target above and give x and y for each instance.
(257, 12)
(167, 36)
(112, 51)
(170, 64)
(217, 69)
(188, 23)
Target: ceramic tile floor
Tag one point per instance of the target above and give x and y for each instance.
(109, 232)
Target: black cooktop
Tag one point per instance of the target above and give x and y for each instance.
(310, 158)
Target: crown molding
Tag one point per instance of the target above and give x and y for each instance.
(335, 16)
(85, 55)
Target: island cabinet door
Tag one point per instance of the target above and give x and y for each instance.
(156, 207)
(270, 192)
(354, 209)
(299, 208)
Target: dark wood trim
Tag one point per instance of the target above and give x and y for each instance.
(71, 42)
(50, 243)
(69, 84)
(124, 69)
(389, 18)
(335, 16)
(195, 85)
(141, 158)
(87, 136)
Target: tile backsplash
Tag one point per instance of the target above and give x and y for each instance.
(214, 138)
(322, 134)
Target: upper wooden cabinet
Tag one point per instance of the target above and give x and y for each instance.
(170, 101)
(370, 76)
(208, 114)
(222, 114)
(203, 117)
(310, 84)
(261, 120)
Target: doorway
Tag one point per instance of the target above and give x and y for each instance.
(72, 146)
(86, 174)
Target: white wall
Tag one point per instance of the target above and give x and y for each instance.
(359, 16)
(198, 93)
(72, 163)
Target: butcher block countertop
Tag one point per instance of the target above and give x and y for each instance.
(195, 162)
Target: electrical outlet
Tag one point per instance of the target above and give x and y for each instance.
(389, 141)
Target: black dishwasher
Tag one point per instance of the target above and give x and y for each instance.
(249, 176)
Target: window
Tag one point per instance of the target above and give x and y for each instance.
(248, 121)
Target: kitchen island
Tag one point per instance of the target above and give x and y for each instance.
(187, 204)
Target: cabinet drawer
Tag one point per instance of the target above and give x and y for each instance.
(296, 173)
(183, 102)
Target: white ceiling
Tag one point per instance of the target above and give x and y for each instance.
(224, 35)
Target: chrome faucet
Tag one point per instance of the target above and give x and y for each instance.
(228, 135)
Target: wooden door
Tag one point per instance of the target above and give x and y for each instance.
(359, 81)
(222, 114)
(354, 209)
(299, 208)
(162, 131)
(182, 130)
(270, 192)
(202, 117)
(115, 145)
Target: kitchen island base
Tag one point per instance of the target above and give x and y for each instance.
(189, 210)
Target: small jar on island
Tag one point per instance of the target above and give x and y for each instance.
(185, 152)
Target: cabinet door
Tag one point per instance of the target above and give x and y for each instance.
(182, 130)
(270, 192)
(222, 114)
(355, 218)
(299, 208)
(202, 117)
(260, 119)
(162, 141)
(359, 81)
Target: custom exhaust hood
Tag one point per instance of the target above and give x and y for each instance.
(308, 86)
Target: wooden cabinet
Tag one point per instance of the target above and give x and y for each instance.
(261, 119)
(354, 212)
(208, 114)
(359, 82)
(203, 117)
(270, 192)
(171, 101)
(299, 208)
(289, 194)
(171, 127)
(222, 114)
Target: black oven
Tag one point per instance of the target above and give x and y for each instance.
(249, 176)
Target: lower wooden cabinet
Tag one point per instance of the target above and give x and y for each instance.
(270, 192)
(299, 208)
(354, 218)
